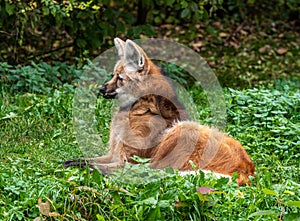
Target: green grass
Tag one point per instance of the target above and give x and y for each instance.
(36, 136)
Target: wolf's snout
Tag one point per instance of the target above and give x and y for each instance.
(107, 92)
(103, 89)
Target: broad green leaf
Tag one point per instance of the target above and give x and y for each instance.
(293, 203)
(170, 2)
(100, 218)
(185, 13)
(264, 213)
(269, 192)
(10, 9)
(45, 11)
(184, 4)
(149, 201)
(194, 6)
(289, 192)
(164, 203)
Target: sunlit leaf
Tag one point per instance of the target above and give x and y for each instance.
(293, 203)
(282, 50)
(264, 213)
(269, 192)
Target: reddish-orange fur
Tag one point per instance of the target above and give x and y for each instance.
(152, 123)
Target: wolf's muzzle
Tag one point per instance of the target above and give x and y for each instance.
(103, 89)
(107, 94)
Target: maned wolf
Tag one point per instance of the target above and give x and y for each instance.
(152, 123)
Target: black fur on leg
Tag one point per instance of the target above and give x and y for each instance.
(77, 162)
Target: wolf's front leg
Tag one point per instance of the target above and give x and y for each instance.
(83, 162)
(106, 164)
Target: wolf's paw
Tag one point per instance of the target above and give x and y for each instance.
(78, 162)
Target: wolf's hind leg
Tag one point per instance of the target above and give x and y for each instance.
(177, 146)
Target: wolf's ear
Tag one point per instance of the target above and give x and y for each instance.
(120, 45)
(134, 57)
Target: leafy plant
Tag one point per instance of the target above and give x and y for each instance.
(37, 78)
(253, 9)
(37, 135)
(269, 113)
(39, 29)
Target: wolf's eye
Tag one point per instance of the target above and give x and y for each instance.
(120, 77)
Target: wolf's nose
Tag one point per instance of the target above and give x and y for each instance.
(103, 89)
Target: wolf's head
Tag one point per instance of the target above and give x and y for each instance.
(133, 64)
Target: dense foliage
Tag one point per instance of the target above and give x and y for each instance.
(38, 28)
(60, 30)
